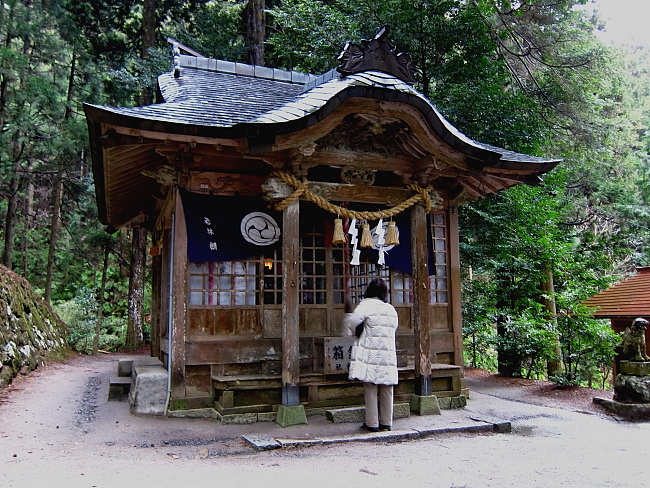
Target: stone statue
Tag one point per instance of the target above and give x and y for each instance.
(633, 347)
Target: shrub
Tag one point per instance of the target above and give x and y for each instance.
(80, 313)
(527, 342)
(587, 349)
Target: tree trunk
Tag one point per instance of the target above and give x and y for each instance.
(28, 217)
(100, 301)
(134, 331)
(16, 147)
(548, 288)
(10, 221)
(149, 23)
(255, 31)
(54, 232)
(68, 106)
(509, 362)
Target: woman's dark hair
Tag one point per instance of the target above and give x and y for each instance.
(377, 289)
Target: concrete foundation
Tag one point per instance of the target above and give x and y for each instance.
(288, 416)
(452, 403)
(425, 405)
(629, 411)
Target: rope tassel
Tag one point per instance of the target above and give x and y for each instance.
(366, 238)
(392, 238)
(339, 236)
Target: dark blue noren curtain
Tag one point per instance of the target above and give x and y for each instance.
(229, 228)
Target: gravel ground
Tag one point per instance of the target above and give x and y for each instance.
(539, 392)
(58, 429)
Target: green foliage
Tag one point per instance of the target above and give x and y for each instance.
(136, 74)
(479, 330)
(587, 349)
(526, 343)
(81, 315)
(512, 241)
(309, 35)
(226, 42)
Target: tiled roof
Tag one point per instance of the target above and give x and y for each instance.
(629, 298)
(208, 93)
(208, 98)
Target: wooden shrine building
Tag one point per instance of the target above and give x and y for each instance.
(241, 173)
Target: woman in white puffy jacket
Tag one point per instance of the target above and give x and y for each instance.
(374, 356)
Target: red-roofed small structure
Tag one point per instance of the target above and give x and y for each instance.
(625, 301)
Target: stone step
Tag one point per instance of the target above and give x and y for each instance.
(118, 388)
(125, 365)
(358, 414)
(149, 393)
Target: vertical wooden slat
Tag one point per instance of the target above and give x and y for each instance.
(179, 302)
(456, 315)
(421, 313)
(156, 298)
(165, 305)
(290, 290)
(330, 323)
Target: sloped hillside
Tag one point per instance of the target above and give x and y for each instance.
(30, 332)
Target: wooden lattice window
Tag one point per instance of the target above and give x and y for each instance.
(224, 283)
(313, 267)
(399, 283)
(438, 281)
(272, 280)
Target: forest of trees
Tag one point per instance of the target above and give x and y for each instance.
(529, 76)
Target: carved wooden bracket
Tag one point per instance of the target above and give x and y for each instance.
(166, 175)
(357, 176)
(276, 189)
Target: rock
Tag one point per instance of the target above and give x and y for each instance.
(6, 375)
(632, 389)
(31, 332)
(629, 411)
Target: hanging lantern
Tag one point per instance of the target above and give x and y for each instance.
(366, 238)
(339, 236)
(392, 238)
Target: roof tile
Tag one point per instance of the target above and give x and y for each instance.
(629, 298)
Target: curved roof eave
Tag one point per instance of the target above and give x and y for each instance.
(183, 117)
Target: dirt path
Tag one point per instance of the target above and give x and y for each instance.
(57, 429)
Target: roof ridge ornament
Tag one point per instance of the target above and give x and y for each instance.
(377, 54)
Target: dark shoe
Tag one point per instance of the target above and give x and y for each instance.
(384, 427)
(369, 429)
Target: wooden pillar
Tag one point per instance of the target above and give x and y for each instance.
(290, 290)
(454, 286)
(179, 301)
(421, 310)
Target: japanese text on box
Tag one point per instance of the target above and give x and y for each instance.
(338, 354)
